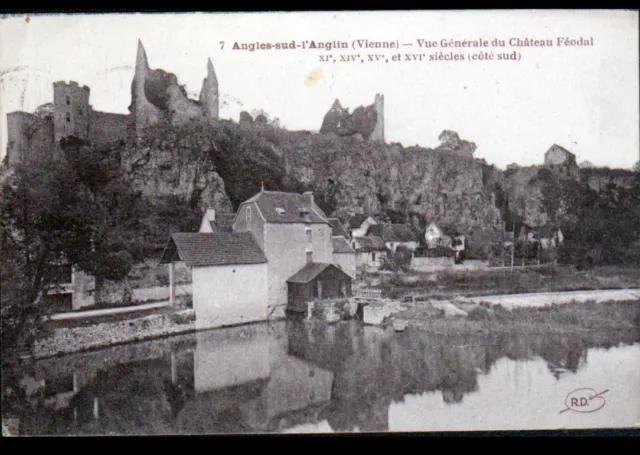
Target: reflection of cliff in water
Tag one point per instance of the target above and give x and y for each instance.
(265, 378)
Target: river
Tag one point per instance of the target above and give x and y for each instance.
(303, 377)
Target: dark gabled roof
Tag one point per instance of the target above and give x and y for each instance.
(558, 147)
(340, 245)
(438, 252)
(369, 243)
(355, 221)
(337, 228)
(289, 207)
(311, 270)
(547, 230)
(393, 232)
(224, 221)
(217, 248)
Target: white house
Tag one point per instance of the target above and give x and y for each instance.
(370, 252)
(434, 237)
(550, 236)
(292, 231)
(360, 224)
(395, 235)
(213, 221)
(222, 266)
(344, 255)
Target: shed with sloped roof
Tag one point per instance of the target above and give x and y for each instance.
(317, 281)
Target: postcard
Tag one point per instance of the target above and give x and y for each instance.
(319, 222)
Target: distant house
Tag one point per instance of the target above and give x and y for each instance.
(434, 259)
(359, 224)
(292, 231)
(557, 155)
(317, 281)
(435, 237)
(222, 266)
(370, 252)
(550, 236)
(395, 235)
(338, 229)
(213, 221)
(344, 255)
(562, 160)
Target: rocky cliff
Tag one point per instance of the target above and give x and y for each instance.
(224, 163)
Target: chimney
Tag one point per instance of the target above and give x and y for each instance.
(308, 196)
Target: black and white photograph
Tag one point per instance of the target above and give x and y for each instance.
(328, 222)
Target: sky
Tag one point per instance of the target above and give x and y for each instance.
(584, 98)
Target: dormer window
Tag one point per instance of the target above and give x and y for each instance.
(306, 215)
(280, 211)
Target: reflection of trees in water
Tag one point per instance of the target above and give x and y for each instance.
(347, 374)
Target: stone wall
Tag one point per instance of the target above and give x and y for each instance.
(426, 264)
(65, 340)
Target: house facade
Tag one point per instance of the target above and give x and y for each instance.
(292, 231)
(435, 237)
(317, 281)
(359, 225)
(344, 256)
(222, 263)
(395, 235)
(214, 221)
(370, 253)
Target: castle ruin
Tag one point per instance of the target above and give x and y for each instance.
(156, 97)
(366, 122)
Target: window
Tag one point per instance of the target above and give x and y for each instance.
(248, 212)
(280, 211)
(373, 256)
(80, 111)
(68, 117)
(309, 235)
(68, 100)
(309, 256)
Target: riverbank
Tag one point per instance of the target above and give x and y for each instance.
(63, 337)
(450, 284)
(588, 319)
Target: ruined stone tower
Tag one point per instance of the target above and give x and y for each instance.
(71, 110)
(378, 130)
(209, 93)
(156, 96)
(144, 112)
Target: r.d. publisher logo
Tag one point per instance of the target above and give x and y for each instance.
(584, 400)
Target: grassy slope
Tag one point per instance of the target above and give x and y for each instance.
(492, 282)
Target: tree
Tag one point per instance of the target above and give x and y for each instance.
(636, 167)
(40, 220)
(77, 209)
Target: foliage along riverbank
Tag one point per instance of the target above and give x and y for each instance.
(450, 283)
(589, 321)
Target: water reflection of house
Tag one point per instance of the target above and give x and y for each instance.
(245, 380)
